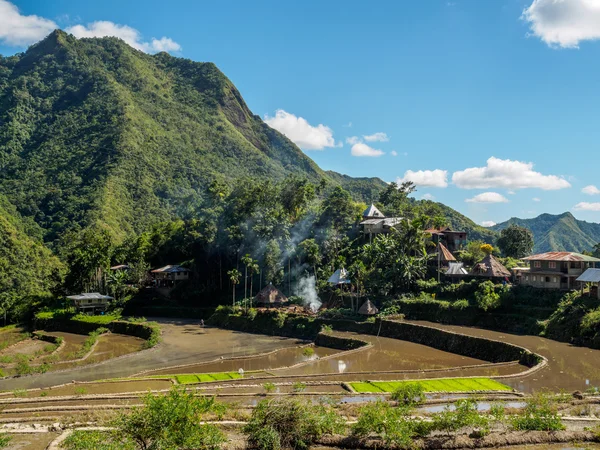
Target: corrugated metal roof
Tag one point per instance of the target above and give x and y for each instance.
(561, 256)
(456, 268)
(372, 211)
(391, 221)
(340, 276)
(171, 269)
(90, 296)
(372, 221)
(590, 276)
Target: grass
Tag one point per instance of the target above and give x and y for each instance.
(438, 385)
(205, 377)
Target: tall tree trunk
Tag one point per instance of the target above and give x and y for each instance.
(233, 295)
(246, 283)
(289, 277)
(251, 278)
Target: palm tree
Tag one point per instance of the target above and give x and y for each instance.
(246, 261)
(234, 277)
(254, 268)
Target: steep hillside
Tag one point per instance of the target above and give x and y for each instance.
(27, 267)
(94, 132)
(558, 232)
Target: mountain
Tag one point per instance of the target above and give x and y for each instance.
(27, 267)
(94, 133)
(558, 232)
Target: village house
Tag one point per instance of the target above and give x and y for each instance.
(90, 302)
(375, 222)
(167, 276)
(554, 270)
(489, 267)
(453, 240)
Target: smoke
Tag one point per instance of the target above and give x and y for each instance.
(306, 288)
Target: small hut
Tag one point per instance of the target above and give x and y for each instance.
(340, 276)
(490, 267)
(368, 309)
(270, 296)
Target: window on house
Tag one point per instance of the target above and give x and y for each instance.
(537, 264)
(534, 278)
(554, 279)
(547, 279)
(526, 277)
(552, 265)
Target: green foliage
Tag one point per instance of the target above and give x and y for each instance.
(561, 232)
(435, 385)
(393, 425)
(308, 352)
(515, 241)
(97, 440)
(409, 394)
(269, 387)
(4, 440)
(540, 414)
(486, 296)
(290, 423)
(299, 387)
(463, 414)
(171, 421)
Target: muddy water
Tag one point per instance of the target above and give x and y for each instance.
(31, 441)
(385, 355)
(282, 358)
(569, 367)
(183, 342)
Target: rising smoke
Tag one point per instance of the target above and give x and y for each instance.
(306, 288)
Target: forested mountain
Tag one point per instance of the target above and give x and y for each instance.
(27, 268)
(94, 132)
(558, 232)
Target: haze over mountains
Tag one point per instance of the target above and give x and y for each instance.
(96, 133)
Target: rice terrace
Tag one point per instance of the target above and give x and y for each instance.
(379, 230)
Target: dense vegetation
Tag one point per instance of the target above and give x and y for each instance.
(558, 232)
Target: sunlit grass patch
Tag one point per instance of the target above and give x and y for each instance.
(206, 377)
(438, 385)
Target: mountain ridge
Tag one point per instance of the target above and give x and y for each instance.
(557, 232)
(94, 133)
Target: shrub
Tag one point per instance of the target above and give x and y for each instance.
(409, 394)
(269, 387)
(171, 421)
(393, 425)
(460, 304)
(590, 324)
(327, 329)
(96, 440)
(4, 440)
(486, 296)
(299, 387)
(308, 352)
(465, 414)
(290, 423)
(540, 414)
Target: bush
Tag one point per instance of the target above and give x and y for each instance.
(409, 394)
(299, 387)
(290, 423)
(4, 440)
(486, 296)
(269, 387)
(96, 440)
(308, 352)
(540, 414)
(171, 421)
(460, 304)
(465, 414)
(393, 425)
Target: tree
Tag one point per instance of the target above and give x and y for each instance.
(246, 261)
(234, 277)
(515, 241)
(171, 421)
(272, 262)
(310, 249)
(394, 198)
(117, 280)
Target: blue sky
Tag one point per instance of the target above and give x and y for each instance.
(489, 106)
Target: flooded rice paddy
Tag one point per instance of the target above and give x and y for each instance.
(187, 348)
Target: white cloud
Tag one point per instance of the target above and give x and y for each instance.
(488, 223)
(302, 133)
(564, 23)
(508, 174)
(431, 178)
(428, 197)
(536, 199)
(488, 197)
(586, 206)
(362, 149)
(591, 190)
(131, 36)
(394, 153)
(353, 140)
(376, 137)
(19, 30)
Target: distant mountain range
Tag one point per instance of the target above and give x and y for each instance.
(561, 232)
